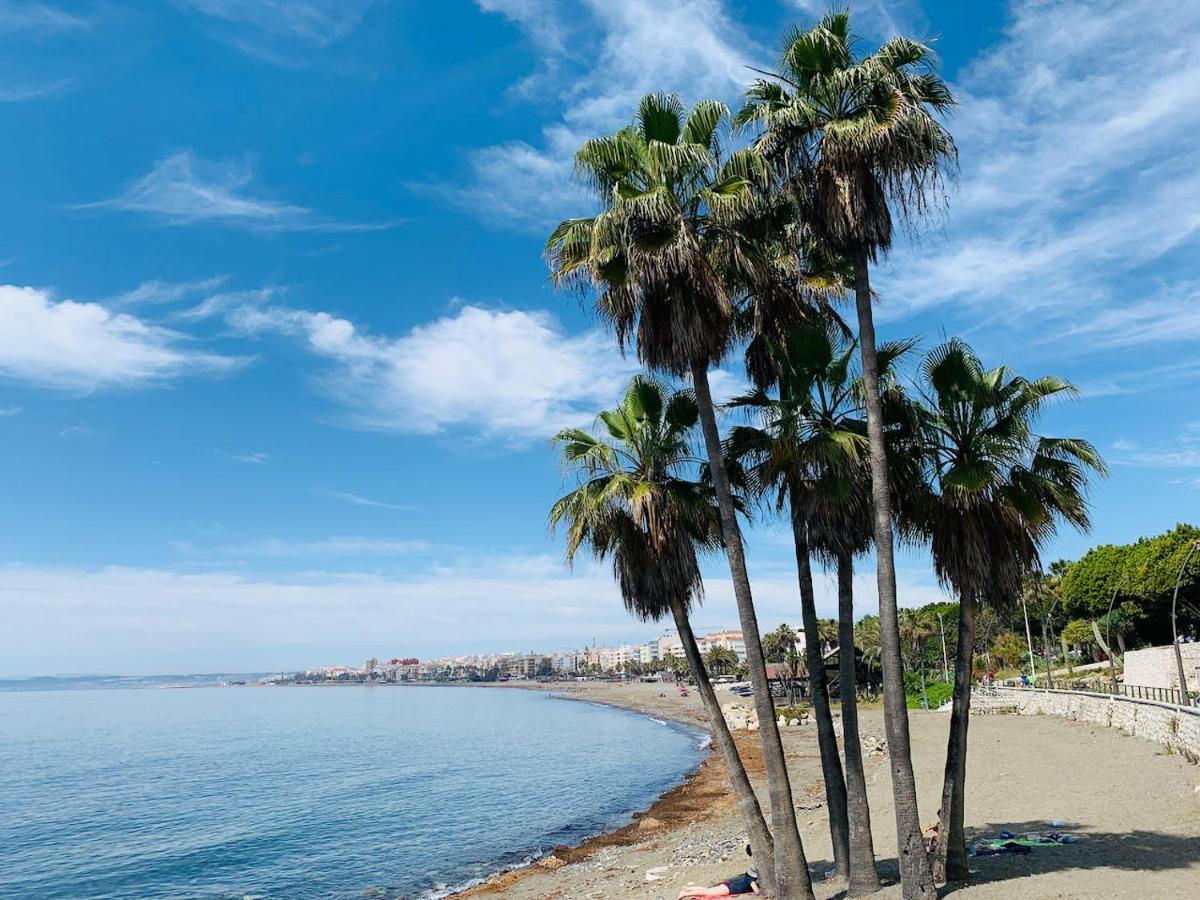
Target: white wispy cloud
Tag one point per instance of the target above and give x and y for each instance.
(183, 189)
(514, 374)
(280, 31)
(157, 291)
(84, 346)
(7, 411)
(1077, 134)
(876, 20)
(38, 18)
(359, 499)
(321, 549)
(630, 48)
(1182, 451)
(252, 457)
(20, 91)
(123, 619)
(539, 18)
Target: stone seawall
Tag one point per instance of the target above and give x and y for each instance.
(1174, 727)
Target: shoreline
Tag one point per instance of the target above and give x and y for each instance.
(699, 792)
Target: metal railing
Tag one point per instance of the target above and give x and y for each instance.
(1171, 696)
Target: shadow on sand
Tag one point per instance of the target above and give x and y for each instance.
(1145, 851)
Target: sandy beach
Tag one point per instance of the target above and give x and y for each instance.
(1135, 808)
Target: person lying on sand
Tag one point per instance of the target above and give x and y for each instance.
(746, 883)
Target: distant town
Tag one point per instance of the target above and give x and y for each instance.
(724, 650)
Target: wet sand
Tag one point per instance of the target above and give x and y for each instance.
(1135, 809)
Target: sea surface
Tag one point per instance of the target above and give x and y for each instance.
(301, 792)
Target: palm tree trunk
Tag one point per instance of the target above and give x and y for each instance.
(831, 762)
(950, 860)
(791, 865)
(915, 876)
(864, 879)
(743, 791)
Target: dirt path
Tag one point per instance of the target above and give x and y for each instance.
(1135, 809)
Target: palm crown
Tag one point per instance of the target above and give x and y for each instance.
(635, 502)
(670, 244)
(812, 438)
(850, 133)
(1000, 489)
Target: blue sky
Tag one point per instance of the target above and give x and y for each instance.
(278, 356)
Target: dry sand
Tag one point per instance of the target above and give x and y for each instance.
(1135, 809)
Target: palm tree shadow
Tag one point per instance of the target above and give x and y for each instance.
(1137, 850)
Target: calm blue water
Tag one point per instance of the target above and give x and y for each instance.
(345, 791)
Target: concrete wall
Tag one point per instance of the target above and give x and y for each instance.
(1174, 727)
(1155, 666)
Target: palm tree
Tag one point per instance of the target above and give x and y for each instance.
(810, 453)
(635, 504)
(721, 660)
(1042, 594)
(866, 639)
(999, 491)
(917, 626)
(852, 137)
(666, 258)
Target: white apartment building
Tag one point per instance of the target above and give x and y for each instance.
(669, 645)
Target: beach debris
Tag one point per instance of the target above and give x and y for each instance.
(658, 873)
(648, 822)
(551, 862)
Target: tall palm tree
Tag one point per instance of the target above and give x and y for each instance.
(635, 503)
(778, 459)
(666, 258)
(854, 137)
(809, 452)
(999, 491)
(917, 626)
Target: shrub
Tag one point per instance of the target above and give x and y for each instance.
(939, 694)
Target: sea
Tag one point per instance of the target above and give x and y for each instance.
(347, 791)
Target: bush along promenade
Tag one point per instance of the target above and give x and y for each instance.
(718, 238)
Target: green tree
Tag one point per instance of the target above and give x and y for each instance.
(1008, 649)
(853, 138)
(777, 643)
(999, 491)
(1078, 634)
(917, 626)
(635, 504)
(721, 660)
(1042, 596)
(666, 257)
(866, 638)
(1088, 586)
